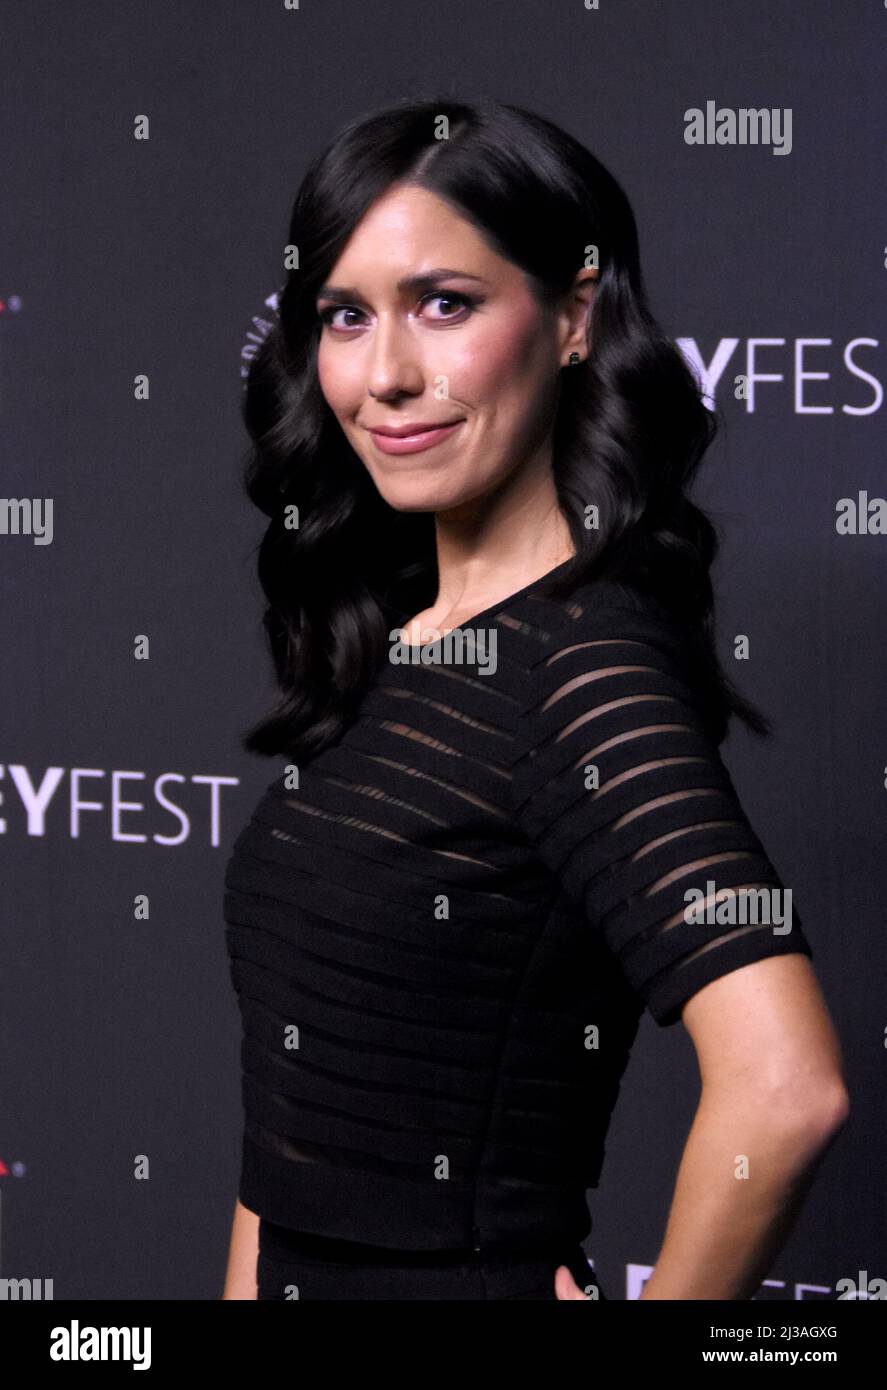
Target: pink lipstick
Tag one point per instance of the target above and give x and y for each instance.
(412, 437)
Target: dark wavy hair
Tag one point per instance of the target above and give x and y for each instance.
(628, 435)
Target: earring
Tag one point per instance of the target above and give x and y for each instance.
(575, 359)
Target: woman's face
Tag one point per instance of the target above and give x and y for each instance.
(469, 347)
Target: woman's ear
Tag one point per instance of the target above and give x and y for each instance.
(576, 315)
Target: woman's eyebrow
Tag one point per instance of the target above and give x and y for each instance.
(429, 279)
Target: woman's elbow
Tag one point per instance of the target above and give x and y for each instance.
(833, 1109)
(817, 1113)
(806, 1115)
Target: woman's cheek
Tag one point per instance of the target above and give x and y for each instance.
(338, 389)
(480, 371)
(504, 353)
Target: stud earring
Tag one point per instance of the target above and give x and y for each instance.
(575, 359)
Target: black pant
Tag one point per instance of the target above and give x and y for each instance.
(295, 1265)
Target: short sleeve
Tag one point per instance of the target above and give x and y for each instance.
(621, 788)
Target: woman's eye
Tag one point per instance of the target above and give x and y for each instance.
(453, 305)
(461, 301)
(327, 315)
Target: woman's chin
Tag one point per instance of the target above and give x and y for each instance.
(418, 494)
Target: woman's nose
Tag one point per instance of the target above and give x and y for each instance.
(393, 365)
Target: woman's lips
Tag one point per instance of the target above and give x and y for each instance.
(412, 443)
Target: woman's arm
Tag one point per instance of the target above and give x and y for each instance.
(240, 1278)
(773, 1098)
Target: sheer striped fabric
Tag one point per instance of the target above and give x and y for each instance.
(628, 800)
(443, 937)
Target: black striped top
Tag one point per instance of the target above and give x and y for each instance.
(443, 938)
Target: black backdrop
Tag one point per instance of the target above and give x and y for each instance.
(120, 257)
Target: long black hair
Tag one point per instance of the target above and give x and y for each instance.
(337, 562)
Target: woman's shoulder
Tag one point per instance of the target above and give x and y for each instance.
(608, 640)
(607, 608)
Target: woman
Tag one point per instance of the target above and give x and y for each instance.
(490, 612)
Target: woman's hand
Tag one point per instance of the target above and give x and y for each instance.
(243, 1255)
(565, 1285)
